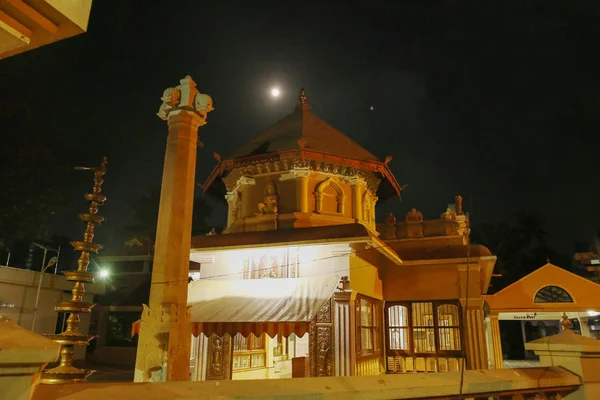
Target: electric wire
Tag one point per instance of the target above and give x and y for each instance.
(466, 316)
(350, 252)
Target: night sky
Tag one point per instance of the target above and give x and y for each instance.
(498, 101)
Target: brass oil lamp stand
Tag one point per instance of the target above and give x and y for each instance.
(66, 372)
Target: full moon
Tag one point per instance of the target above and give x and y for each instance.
(275, 92)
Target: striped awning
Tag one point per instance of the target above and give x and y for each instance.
(257, 306)
(284, 329)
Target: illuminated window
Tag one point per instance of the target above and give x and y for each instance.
(553, 294)
(420, 334)
(281, 346)
(368, 326)
(273, 263)
(248, 352)
(398, 327)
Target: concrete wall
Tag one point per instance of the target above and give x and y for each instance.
(18, 287)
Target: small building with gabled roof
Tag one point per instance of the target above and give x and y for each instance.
(539, 301)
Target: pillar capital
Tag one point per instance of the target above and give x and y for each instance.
(243, 181)
(295, 173)
(358, 181)
(185, 97)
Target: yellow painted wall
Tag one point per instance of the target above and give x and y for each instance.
(364, 278)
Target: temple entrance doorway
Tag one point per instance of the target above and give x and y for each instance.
(241, 358)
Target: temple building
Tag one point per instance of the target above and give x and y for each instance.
(304, 282)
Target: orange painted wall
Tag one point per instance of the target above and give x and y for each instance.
(521, 294)
(421, 282)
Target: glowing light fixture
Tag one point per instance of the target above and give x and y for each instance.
(275, 92)
(103, 273)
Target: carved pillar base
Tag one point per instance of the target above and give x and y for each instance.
(151, 360)
(321, 342)
(163, 336)
(180, 343)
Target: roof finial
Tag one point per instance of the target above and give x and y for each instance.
(302, 96)
(566, 324)
(303, 104)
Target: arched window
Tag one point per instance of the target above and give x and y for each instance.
(553, 294)
(329, 189)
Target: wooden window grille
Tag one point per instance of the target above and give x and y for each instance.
(423, 336)
(248, 352)
(368, 326)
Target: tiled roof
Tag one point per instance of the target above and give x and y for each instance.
(302, 126)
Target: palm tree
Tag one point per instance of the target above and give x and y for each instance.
(521, 247)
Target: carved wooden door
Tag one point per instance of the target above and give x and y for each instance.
(219, 358)
(321, 351)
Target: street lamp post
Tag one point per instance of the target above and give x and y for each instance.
(53, 261)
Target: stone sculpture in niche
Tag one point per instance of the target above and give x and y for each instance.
(269, 204)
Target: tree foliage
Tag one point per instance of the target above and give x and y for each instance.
(143, 231)
(520, 245)
(33, 178)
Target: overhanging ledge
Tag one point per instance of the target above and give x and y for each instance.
(350, 233)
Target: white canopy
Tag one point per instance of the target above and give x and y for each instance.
(272, 306)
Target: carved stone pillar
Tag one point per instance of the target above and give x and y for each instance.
(300, 177)
(321, 352)
(342, 334)
(185, 109)
(473, 324)
(302, 190)
(230, 197)
(497, 357)
(357, 190)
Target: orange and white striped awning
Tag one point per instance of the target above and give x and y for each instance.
(257, 306)
(284, 329)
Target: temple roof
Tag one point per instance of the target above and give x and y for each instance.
(303, 130)
(304, 136)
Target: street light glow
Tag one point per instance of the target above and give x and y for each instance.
(275, 92)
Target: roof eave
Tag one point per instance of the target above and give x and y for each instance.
(306, 154)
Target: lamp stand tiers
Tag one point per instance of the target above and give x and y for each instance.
(66, 372)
